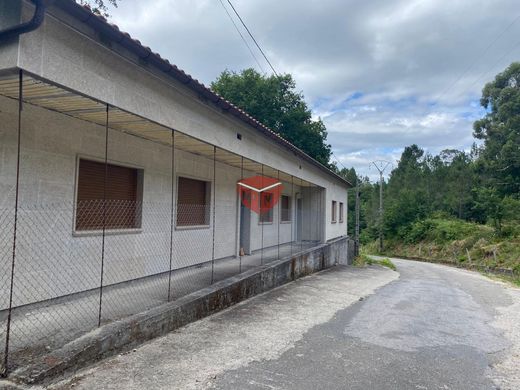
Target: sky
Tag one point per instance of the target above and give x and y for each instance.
(382, 74)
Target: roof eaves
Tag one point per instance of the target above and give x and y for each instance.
(100, 23)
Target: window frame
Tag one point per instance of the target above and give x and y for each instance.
(341, 210)
(334, 212)
(270, 211)
(289, 209)
(209, 200)
(139, 198)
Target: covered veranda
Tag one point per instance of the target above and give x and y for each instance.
(56, 285)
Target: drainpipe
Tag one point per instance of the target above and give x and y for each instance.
(26, 27)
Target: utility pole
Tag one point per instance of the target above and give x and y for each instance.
(356, 233)
(381, 166)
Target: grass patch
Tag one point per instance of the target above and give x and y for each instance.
(457, 242)
(386, 262)
(363, 260)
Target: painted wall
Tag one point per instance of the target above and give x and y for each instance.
(60, 53)
(50, 146)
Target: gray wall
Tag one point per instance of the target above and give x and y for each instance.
(60, 53)
(51, 143)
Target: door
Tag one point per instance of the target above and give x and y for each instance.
(245, 224)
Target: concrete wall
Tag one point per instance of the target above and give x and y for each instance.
(47, 245)
(68, 52)
(132, 331)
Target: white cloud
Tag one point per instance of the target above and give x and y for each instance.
(405, 58)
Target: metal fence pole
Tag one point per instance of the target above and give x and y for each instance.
(172, 210)
(214, 204)
(3, 370)
(105, 183)
(240, 216)
(301, 216)
(279, 216)
(261, 220)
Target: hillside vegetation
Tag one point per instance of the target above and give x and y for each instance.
(457, 206)
(461, 243)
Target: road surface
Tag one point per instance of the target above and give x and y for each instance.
(424, 327)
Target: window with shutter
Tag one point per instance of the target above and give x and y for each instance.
(116, 206)
(285, 208)
(193, 202)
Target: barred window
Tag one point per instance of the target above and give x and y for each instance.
(334, 211)
(116, 205)
(193, 202)
(285, 208)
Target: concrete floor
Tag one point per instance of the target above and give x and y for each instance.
(434, 327)
(38, 328)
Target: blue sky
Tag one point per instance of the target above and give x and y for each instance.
(382, 74)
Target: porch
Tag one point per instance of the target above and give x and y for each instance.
(59, 279)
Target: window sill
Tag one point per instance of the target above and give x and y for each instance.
(285, 222)
(108, 232)
(265, 223)
(192, 227)
(334, 222)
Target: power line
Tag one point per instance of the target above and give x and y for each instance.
(476, 59)
(337, 159)
(517, 44)
(241, 36)
(252, 37)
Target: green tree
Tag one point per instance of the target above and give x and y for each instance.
(274, 101)
(99, 6)
(500, 131)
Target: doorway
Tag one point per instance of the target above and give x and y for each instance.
(245, 223)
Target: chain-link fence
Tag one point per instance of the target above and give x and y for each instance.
(77, 268)
(104, 214)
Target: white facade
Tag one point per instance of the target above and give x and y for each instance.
(51, 144)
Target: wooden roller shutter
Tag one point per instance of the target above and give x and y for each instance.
(122, 208)
(192, 202)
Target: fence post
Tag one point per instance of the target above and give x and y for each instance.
(3, 368)
(214, 205)
(301, 216)
(105, 183)
(279, 216)
(260, 216)
(172, 211)
(240, 216)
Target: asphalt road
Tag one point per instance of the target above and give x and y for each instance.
(433, 327)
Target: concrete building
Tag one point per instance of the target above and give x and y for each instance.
(116, 165)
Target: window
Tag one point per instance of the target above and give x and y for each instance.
(340, 212)
(266, 207)
(334, 211)
(122, 193)
(285, 208)
(193, 198)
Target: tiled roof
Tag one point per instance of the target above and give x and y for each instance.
(85, 14)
